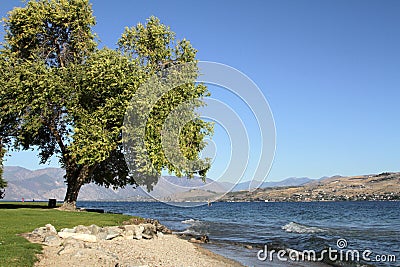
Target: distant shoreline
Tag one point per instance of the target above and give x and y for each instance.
(204, 203)
(49, 183)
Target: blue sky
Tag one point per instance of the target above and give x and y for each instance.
(329, 70)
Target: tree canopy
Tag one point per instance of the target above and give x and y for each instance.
(63, 95)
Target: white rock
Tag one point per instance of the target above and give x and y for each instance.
(51, 229)
(160, 235)
(52, 240)
(94, 229)
(138, 231)
(65, 235)
(82, 237)
(40, 231)
(112, 236)
(101, 235)
(81, 229)
(68, 230)
(86, 237)
(113, 230)
(73, 243)
(150, 230)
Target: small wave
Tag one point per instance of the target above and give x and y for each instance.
(190, 221)
(189, 232)
(293, 227)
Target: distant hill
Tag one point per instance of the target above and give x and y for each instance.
(40, 184)
(292, 181)
(48, 183)
(384, 186)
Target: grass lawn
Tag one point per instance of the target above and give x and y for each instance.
(16, 218)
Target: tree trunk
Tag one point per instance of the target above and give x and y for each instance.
(71, 196)
(76, 177)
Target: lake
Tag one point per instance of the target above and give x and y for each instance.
(370, 227)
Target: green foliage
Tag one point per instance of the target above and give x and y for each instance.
(16, 219)
(60, 94)
(57, 31)
(3, 183)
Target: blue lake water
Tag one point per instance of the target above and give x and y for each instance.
(373, 226)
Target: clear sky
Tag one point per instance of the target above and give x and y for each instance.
(330, 71)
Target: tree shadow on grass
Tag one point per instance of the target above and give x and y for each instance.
(24, 205)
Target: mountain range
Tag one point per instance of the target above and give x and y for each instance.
(49, 183)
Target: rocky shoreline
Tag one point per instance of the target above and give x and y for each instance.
(138, 242)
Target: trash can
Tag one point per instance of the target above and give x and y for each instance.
(52, 203)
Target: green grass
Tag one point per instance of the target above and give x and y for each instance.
(17, 218)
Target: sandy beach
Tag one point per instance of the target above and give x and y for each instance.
(142, 242)
(168, 250)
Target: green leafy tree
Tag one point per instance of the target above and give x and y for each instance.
(62, 95)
